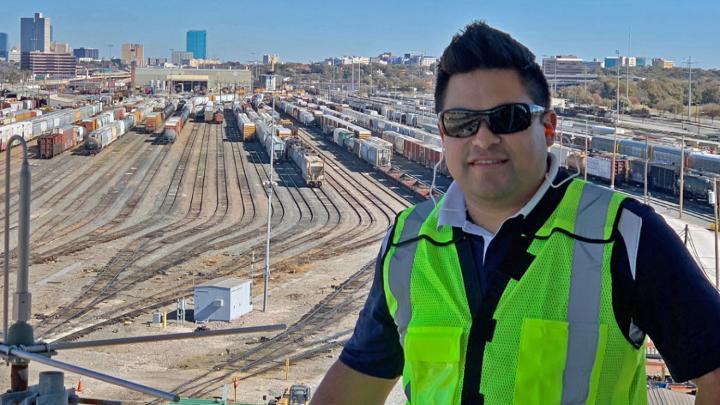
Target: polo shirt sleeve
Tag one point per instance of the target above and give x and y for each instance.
(374, 348)
(674, 302)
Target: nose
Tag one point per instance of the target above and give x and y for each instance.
(484, 138)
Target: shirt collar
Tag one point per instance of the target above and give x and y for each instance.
(453, 212)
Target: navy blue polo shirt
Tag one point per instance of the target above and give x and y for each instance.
(658, 290)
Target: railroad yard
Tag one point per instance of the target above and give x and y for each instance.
(117, 235)
(137, 204)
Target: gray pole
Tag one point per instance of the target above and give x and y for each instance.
(717, 261)
(555, 77)
(90, 373)
(682, 146)
(617, 121)
(266, 277)
(627, 74)
(645, 180)
(371, 79)
(586, 153)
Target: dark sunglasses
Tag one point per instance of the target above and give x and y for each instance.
(501, 120)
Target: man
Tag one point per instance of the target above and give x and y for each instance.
(523, 285)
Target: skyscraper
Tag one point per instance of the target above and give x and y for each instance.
(3, 46)
(133, 53)
(35, 34)
(196, 42)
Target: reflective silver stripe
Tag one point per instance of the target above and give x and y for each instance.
(629, 227)
(401, 265)
(584, 296)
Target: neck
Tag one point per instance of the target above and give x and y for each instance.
(491, 215)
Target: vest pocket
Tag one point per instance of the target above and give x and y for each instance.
(433, 354)
(542, 356)
(541, 361)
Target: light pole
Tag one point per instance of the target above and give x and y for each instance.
(555, 76)
(682, 142)
(266, 276)
(617, 121)
(645, 179)
(617, 114)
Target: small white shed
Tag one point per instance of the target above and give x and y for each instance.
(223, 299)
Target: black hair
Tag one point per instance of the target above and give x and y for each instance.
(480, 46)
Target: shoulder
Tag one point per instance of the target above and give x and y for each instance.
(659, 289)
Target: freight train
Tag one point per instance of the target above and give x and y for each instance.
(46, 123)
(245, 125)
(414, 144)
(101, 138)
(656, 153)
(155, 121)
(273, 144)
(174, 125)
(662, 176)
(60, 140)
(312, 168)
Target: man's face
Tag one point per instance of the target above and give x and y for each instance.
(494, 169)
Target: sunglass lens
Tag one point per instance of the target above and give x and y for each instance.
(460, 124)
(510, 118)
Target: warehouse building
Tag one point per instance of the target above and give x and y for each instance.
(192, 79)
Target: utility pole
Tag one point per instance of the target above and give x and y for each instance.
(371, 79)
(627, 74)
(682, 141)
(617, 122)
(266, 276)
(645, 178)
(715, 234)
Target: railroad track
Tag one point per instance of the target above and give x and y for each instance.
(100, 288)
(287, 245)
(312, 334)
(110, 231)
(60, 206)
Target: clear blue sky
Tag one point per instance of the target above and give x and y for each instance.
(304, 30)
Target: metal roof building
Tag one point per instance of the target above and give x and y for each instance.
(661, 396)
(224, 299)
(189, 78)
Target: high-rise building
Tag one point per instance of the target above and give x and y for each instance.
(3, 46)
(14, 55)
(49, 63)
(86, 53)
(133, 53)
(35, 33)
(624, 61)
(196, 42)
(156, 61)
(663, 63)
(59, 47)
(181, 58)
(270, 59)
(568, 70)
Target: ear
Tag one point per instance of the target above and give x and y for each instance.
(550, 124)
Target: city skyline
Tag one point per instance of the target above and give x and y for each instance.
(315, 30)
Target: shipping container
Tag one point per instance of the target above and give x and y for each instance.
(599, 166)
(59, 141)
(246, 126)
(376, 151)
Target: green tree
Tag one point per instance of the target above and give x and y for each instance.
(711, 110)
